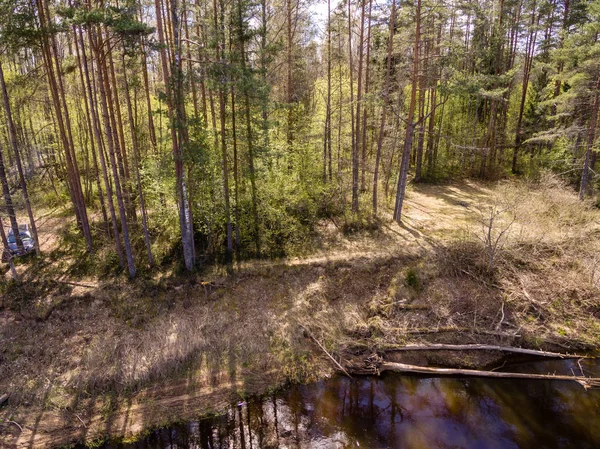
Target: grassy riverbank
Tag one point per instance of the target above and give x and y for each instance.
(86, 358)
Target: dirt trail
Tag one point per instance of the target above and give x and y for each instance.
(431, 213)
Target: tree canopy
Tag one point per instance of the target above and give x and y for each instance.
(201, 131)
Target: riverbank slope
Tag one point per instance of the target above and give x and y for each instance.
(510, 264)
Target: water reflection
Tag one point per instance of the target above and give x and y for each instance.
(405, 412)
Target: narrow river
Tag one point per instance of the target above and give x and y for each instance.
(408, 412)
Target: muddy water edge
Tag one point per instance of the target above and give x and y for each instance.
(402, 411)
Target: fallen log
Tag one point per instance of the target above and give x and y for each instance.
(586, 382)
(443, 347)
(462, 330)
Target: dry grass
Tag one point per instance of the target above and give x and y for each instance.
(429, 280)
(545, 272)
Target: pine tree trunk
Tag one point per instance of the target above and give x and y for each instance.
(357, 136)
(590, 142)
(421, 132)
(530, 47)
(6, 250)
(136, 163)
(201, 57)
(249, 135)
(87, 101)
(103, 81)
(363, 162)
(289, 86)
(340, 114)
(353, 134)
(263, 71)
(328, 137)
(431, 137)
(192, 78)
(174, 87)
(183, 136)
(327, 123)
(98, 134)
(151, 128)
(385, 95)
(410, 125)
(219, 25)
(8, 204)
(120, 144)
(59, 102)
(236, 187)
(13, 140)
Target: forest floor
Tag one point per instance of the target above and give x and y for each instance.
(91, 359)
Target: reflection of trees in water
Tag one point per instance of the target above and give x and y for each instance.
(400, 411)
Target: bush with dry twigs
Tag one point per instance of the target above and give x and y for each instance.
(537, 244)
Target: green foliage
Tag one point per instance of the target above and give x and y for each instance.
(412, 279)
(270, 95)
(18, 25)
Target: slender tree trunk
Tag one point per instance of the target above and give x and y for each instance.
(11, 264)
(225, 175)
(97, 133)
(9, 206)
(222, 110)
(560, 67)
(236, 186)
(13, 140)
(174, 87)
(151, 128)
(590, 142)
(192, 78)
(357, 136)
(340, 113)
(136, 163)
(88, 100)
(363, 163)
(385, 95)
(103, 81)
(289, 86)
(410, 125)
(329, 89)
(421, 133)
(120, 144)
(201, 57)
(530, 47)
(353, 135)
(263, 72)
(327, 125)
(50, 56)
(249, 134)
(490, 140)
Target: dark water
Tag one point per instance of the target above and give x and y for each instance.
(407, 412)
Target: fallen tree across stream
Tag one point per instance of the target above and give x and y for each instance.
(471, 347)
(586, 382)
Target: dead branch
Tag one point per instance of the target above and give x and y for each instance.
(586, 382)
(16, 424)
(326, 352)
(76, 284)
(442, 347)
(438, 330)
(80, 420)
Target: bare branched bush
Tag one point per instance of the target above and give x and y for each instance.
(532, 250)
(495, 221)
